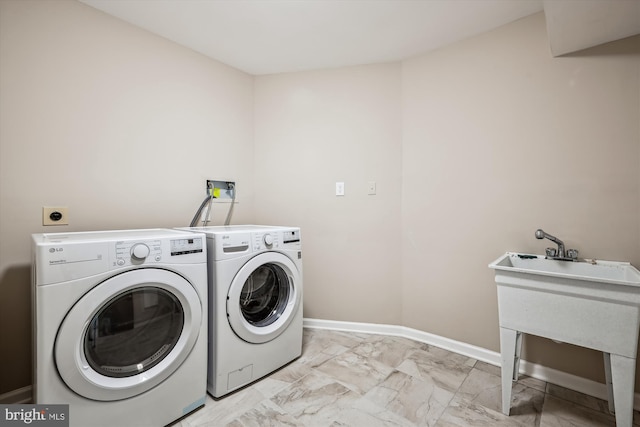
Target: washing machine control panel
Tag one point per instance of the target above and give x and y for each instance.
(275, 239)
(231, 243)
(265, 240)
(291, 237)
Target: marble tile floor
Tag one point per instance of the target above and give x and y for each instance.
(353, 379)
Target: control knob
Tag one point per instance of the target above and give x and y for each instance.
(268, 239)
(139, 251)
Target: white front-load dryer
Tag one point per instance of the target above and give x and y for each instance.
(119, 326)
(255, 302)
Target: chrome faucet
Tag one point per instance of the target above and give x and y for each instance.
(559, 253)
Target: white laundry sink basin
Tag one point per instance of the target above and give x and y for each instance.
(591, 304)
(587, 304)
(621, 273)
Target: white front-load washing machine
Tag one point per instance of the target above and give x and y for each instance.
(255, 302)
(119, 326)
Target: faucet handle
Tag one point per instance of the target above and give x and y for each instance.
(551, 252)
(572, 253)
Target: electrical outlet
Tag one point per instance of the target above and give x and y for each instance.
(371, 188)
(55, 215)
(339, 188)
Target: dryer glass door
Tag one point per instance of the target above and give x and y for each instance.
(133, 332)
(128, 334)
(264, 297)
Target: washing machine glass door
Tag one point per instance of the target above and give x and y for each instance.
(264, 297)
(128, 334)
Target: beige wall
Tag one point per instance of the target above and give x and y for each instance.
(472, 147)
(500, 139)
(121, 126)
(313, 129)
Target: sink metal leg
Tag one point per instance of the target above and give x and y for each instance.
(516, 367)
(623, 370)
(510, 347)
(607, 375)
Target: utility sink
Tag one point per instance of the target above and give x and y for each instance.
(621, 273)
(594, 304)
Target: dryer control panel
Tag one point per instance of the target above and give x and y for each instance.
(62, 257)
(136, 252)
(187, 246)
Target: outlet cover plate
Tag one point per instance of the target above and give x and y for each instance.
(49, 215)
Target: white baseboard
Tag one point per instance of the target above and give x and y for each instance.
(553, 376)
(21, 395)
